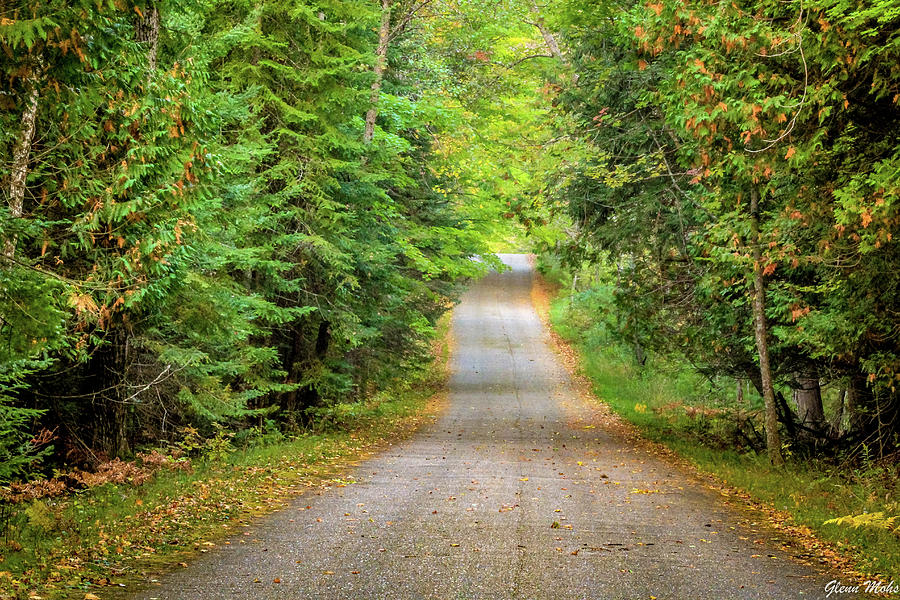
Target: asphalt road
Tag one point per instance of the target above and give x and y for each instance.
(508, 496)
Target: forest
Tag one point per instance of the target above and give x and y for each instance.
(227, 218)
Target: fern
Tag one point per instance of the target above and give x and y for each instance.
(875, 520)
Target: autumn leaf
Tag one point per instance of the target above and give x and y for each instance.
(866, 218)
(791, 151)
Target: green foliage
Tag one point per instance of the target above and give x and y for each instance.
(681, 111)
(19, 451)
(205, 241)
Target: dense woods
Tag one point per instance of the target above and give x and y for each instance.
(738, 165)
(214, 213)
(227, 214)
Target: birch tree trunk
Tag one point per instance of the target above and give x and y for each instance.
(548, 36)
(384, 34)
(761, 329)
(21, 155)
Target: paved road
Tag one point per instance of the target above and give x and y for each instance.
(508, 496)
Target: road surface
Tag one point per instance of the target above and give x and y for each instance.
(509, 495)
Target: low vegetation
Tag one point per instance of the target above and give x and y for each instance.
(844, 500)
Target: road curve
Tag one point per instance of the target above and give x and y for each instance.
(506, 496)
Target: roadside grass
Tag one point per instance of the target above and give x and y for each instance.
(100, 540)
(672, 406)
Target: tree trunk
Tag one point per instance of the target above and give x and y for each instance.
(739, 396)
(860, 401)
(782, 410)
(808, 401)
(640, 357)
(147, 31)
(107, 368)
(761, 330)
(21, 156)
(384, 34)
(838, 418)
(548, 36)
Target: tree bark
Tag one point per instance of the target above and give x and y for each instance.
(808, 401)
(147, 31)
(107, 371)
(384, 34)
(761, 330)
(860, 401)
(21, 156)
(838, 418)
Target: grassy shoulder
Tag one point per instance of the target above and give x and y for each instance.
(670, 405)
(98, 541)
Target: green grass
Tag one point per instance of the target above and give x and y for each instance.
(116, 534)
(811, 491)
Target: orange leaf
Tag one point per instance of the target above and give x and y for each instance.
(866, 218)
(791, 151)
(769, 269)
